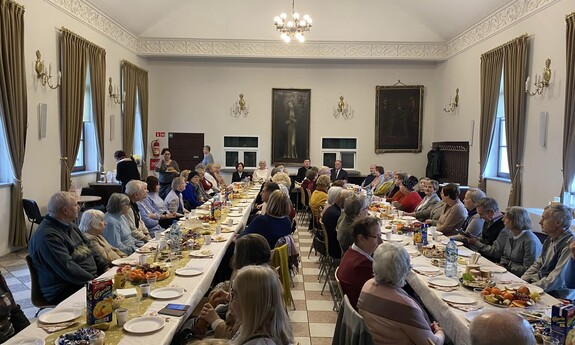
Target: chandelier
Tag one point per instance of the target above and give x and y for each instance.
(295, 27)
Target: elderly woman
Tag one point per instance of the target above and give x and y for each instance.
(324, 171)
(392, 316)
(309, 180)
(332, 194)
(153, 211)
(354, 207)
(330, 217)
(117, 230)
(394, 194)
(207, 185)
(217, 173)
(240, 175)
(167, 170)
(199, 192)
(523, 248)
(283, 180)
(174, 200)
(189, 193)
(410, 198)
(210, 176)
(92, 225)
(319, 197)
(378, 180)
(262, 173)
(454, 213)
(428, 202)
(473, 224)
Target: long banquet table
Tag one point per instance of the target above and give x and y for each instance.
(195, 288)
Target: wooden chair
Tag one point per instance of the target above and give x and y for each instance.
(350, 327)
(280, 259)
(331, 265)
(35, 294)
(304, 197)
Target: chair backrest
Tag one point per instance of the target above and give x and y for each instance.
(324, 233)
(302, 196)
(280, 259)
(338, 283)
(35, 294)
(541, 236)
(307, 196)
(32, 210)
(350, 327)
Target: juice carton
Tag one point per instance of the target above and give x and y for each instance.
(216, 211)
(99, 301)
(562, 320)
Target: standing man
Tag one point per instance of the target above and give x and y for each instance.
(338, 173)
(369, 177)
(208, 158)
(301, 171)
(63, 257)
(494, 235)
(549, 270)
(126, 168)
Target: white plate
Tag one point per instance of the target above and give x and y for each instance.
(199, 254)
(425, 268)
(531, 288)
(144, 324)
(447, 241)
(235, 214)
(125, 261)
(219, 239)
(226, 230)
(234, 208)
(396, 238)
(443, 282)
(457, 297)
(167, 293)
(496, 269)
(32, 341)
(189, 271)
(60, 315)
(408, 218)
(144, 250)
(464, 252)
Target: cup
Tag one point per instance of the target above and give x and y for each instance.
(485, 273)
(550, 341)
(474, 259)
(119, 281)
(151, 281)
(142, 259)
(240, 210)
(435, 236)
(218, 229)
(207, 240)
(496, 277)
(145, 290)
(121, 316)
(98, 338)
(230, 221)
(388, 236)
(432, 230)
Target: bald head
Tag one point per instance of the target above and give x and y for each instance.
(500, 328)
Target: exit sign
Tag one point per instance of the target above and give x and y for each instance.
(160, 134)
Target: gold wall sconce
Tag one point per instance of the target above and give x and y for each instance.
(45, 74)
(453, 103)
(114, 93)
(240, 108)
(540, 84)
(343, 109)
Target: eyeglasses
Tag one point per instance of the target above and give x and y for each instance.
(373, 236)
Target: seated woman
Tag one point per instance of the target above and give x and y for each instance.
(92, 225)
(117, 231)
(217, 173)
(284, 182)
(473, 224)
(275, 223)
(309, 180)
(378, 180)
(319, 197)
(256, 301)
(205, 183)
(240, 175)
(428, 202)
(153, 211)
(354, 207)
(392, 316)
(454, 213)
(393, 194)
(410, 198)
(174, 200)
(12, 318)
(523, 248)
(331, 216)
(386, 186)
(189, 194)
(262, 173)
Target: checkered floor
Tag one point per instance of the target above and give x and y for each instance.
(313, 321)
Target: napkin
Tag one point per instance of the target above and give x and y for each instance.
(464, 307)
(131, 292)
(55, 327)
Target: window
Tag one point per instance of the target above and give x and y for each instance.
(138, 133)
(498, 165)
(241, 149)
(87, 158)
(6, 172)
(343, 149)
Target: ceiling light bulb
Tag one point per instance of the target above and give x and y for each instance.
(306, 17)
(302, 23)
(287, 39)
(283, 16)
(295, 15)
(283, 36)
(301, 38)
(290, 24)
(309, 21)
(277, 19)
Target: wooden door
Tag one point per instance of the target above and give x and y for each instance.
(186, 149)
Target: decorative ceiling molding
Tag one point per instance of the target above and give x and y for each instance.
(495, 23)
(432, 51)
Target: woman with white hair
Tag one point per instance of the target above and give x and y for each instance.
(117, 231)
(92, 225)
(392, 316)
(262, 173)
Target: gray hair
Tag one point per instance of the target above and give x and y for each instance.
(488, 204)
(177, 181)
(518, 217)
(116, 201)
(498, 327)
(200, 166)
(391, 264)
(475, 194)
(281, 178)
(561, 213)
(434, 184)
(324, 171)
(332, 194)
(354, 204)
(58, 201)
(134, 187)
(90, 219)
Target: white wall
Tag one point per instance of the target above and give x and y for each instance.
(542, 173)
(41, 173)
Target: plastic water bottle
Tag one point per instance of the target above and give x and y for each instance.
(451, 259)
(424, 234)
(369, 193)
(175, 236)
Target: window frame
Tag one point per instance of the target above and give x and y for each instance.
(82, 149)
(339, 151)
(241, 151)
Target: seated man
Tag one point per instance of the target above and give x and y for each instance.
(494, 235)
(500, 328)
(63, 257)
(301, 171)
(356, 266)
(338, 173)
(369, 178)
(548, 271)
(137, 191)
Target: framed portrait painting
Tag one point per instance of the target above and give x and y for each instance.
(290, 125)
(398, 118)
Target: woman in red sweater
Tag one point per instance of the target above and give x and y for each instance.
(410, 198)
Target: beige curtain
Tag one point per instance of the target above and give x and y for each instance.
(515, 73)
(142, 81)
(569, 120)
(97, 58)
(13, 106)
(491, 65)
(129, 85)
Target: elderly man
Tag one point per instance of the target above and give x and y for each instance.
(548, 271)
(208, 158)
(570, 270)
(494, 236)
(301, 171)
(136, 190)
(356, 266)
(63, 257)
(500, 328)
(369, 177)
(338, 173)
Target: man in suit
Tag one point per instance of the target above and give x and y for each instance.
(338, 173)
(301, 171)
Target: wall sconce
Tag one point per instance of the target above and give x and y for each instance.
(45, 74)
(240, 108)
(453, 103)
(342, 109)
(114, 93)
(540, 84)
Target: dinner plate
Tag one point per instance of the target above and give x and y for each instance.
(235, 214)
(234, 221)
(167, 292)
(144, 250)
(202, 253)
(464, 252)
(227, 230)
(496, 269)
(532, 288)
(32, 341)
(459, 243)
(443, 282)
(125, 261)
(396, 238)
(234, 208)
(219, 239)
(457, 297)
(60, 315)
(425, 268)
(189, 271)
(408, 218)
(144, 324)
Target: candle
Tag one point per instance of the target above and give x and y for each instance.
(59, 77)
(50, 70)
